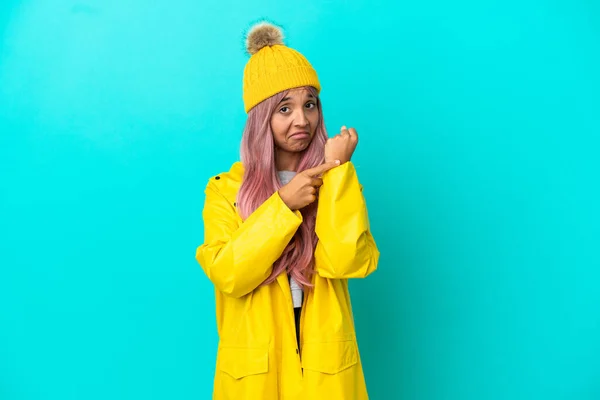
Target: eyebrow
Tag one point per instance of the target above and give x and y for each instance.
(289, 98)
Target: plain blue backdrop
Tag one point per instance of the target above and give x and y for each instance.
(479, 152)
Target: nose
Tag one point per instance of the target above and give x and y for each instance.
(300, 119)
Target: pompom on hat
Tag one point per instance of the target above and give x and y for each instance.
(273, 67)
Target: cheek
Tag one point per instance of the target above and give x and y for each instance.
(279, 128)
(314, 120)
(275, 125)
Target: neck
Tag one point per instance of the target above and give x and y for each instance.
(285, 161)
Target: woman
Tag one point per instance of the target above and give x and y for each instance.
(285, 229)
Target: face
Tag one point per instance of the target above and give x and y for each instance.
(294, 121)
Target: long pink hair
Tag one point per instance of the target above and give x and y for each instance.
(260, 181)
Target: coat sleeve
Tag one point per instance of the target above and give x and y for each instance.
(236, 257)
(345, 248)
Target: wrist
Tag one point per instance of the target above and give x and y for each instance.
(342, 160)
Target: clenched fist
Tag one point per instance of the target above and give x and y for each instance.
(341, 146)
(302, 189)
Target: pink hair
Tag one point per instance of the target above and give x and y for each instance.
(260, 181)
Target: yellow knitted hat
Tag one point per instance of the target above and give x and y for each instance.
(273, 67)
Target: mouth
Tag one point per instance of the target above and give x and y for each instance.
(300, 135)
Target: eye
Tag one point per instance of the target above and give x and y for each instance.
(310, 104)
(284, 109)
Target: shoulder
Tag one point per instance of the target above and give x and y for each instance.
(227, 183)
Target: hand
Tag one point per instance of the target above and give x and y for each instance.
(302, 189)
(341, 146)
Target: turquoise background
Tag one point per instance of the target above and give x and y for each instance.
(479, 153)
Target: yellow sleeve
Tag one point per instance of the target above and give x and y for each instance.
(236, 257)
(345, 248)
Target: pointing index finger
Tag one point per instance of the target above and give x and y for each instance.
(318, 170)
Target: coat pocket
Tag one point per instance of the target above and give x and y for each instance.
(329, 357)
(239, 362)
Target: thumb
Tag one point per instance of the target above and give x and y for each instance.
(320, 169)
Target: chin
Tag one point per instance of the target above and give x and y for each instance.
(299, 148)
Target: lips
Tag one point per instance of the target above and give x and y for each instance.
(300, 135)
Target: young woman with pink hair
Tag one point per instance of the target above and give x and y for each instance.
(285, 229)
